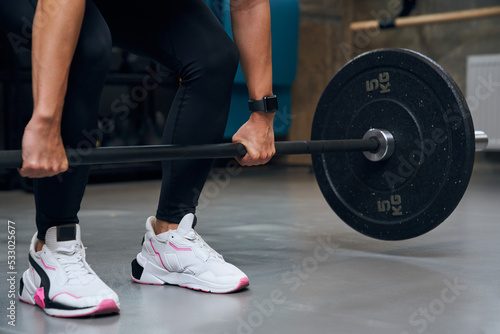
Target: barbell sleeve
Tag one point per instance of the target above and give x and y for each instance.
(481, 140)
(126, 154)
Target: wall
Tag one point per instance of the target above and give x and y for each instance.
(447, 43)
(323, 27)
(326, 43)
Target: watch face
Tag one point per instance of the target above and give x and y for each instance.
(271, 104)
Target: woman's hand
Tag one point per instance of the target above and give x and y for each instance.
(257, 136)
(43, 150)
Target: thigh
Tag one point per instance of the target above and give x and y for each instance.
(16, 20)
(174, 33)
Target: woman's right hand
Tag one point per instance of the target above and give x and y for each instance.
(56, 27)
(43, 150)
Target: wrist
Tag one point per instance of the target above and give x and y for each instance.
(43, 119)
(262, 117)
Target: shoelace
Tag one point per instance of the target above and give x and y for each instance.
(198, 240)
(71, 261)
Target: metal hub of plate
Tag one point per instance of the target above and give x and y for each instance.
(386, 145)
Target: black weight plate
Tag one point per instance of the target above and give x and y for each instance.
(421, 184)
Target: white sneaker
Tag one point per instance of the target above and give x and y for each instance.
(60, 281)
(181, 257)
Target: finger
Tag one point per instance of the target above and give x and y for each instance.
(27, 170)
(246, 161)
(255, 157)
(22, 172)
(32, 172)
(239, 161)
(243, 161)
(63, 167)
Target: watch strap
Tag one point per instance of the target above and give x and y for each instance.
(268, 104)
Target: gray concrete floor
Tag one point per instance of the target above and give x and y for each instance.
(309, 272)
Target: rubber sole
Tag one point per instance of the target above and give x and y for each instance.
(107, 306)
(142, 276)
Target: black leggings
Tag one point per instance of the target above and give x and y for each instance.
(185, 37)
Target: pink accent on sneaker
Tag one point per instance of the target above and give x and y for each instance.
(47, 267)
(179, 249)
(154, 250)
(67, 294)
(40, 297)
(244, 282)
(107, 306)
(25, 301)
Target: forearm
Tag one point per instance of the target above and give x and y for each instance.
(56, 28)
(251, 24)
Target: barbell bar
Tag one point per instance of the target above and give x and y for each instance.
(376, 144)
(126, 154)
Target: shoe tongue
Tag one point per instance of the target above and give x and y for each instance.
(62, 236)
(186, 225)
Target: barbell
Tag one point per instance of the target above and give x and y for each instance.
(392, 146)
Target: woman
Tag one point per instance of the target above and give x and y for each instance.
(71, 44)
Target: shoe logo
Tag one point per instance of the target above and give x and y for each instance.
(179, 249)
(40, 297)
(46, 266)
(66, 232)
(157, 254)
(66, 293)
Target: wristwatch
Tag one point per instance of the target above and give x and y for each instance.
(268, 104)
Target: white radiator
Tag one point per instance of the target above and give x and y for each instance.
(483, 96)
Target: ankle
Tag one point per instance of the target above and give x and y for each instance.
(39, 245)
(162, 226)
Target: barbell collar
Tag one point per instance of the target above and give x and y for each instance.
(386, 145)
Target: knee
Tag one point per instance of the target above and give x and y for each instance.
(93, 55)
(220, 61)
(227, 60)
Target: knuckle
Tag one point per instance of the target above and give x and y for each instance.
(255, 156)
(63, 167)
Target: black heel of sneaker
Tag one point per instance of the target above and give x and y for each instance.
(137, 270)
(21, 287)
